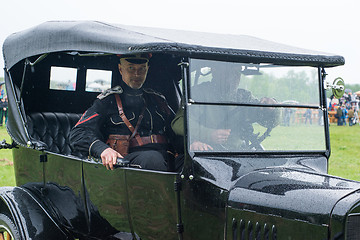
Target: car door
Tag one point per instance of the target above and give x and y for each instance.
(133, 200)
(106, 194)
(152, 203)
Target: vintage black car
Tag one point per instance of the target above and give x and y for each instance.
(268, 181)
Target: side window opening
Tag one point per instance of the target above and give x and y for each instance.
(98, 80)
(63, 78)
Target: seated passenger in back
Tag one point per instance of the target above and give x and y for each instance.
(128, 121)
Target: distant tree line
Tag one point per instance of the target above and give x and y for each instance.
(299, 86)
(295, 86)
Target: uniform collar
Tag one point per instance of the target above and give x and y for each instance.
(130, 91)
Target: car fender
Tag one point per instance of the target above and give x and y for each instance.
(31, 219)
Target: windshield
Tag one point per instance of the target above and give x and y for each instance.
(238, 107)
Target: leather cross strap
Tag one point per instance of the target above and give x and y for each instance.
(127, 122)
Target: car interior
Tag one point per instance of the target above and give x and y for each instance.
(52, 109)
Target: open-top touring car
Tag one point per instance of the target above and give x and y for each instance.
(271, 184)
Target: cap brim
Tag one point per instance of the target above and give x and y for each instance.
(137, 60)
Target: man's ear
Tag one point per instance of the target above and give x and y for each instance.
(119, 66)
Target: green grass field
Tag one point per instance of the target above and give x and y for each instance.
(345, 152)
(7, 177)
(344, 160)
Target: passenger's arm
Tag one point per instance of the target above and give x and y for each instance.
(86, 136)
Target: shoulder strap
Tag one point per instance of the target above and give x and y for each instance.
(127, 122)
(107, 92)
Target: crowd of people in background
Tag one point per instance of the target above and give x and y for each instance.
(3, 106)
(346, 109)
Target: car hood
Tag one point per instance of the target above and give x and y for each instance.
(290, 193)
(284, 187)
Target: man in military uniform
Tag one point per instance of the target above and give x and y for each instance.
(127, 121)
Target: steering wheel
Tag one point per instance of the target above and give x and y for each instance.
(245, 130)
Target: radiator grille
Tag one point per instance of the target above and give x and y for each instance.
(243, 230)
(353, 227)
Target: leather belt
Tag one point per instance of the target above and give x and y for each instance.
(148, 139)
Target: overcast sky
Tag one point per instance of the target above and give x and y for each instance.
(324, 25)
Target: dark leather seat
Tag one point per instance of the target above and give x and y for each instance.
(51, 130)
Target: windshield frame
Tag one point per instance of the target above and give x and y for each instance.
(321, 105)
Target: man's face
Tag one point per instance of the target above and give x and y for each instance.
(133, 75)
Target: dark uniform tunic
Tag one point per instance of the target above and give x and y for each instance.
(102, 119)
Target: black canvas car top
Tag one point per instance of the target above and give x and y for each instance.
(88, 36)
